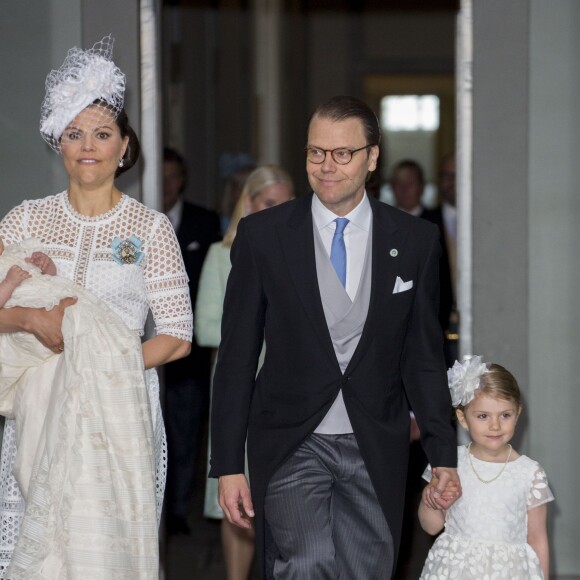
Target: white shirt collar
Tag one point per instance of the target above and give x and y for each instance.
(360, 216)
(175, 213)
(449, 214)
(416, 211)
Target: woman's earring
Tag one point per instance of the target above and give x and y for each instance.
(121, 162)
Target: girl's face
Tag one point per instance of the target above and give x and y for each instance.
(491, 423)
(270, 196)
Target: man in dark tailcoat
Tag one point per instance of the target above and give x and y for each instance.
(344, 291)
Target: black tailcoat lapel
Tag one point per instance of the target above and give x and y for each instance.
(385, 267)
(297, 238)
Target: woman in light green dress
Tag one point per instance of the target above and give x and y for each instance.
(265, 187)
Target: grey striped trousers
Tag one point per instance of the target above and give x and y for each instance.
(324, 516)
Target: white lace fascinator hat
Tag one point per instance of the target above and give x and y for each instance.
(85, 77)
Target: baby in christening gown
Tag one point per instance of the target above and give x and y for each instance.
(85, 462)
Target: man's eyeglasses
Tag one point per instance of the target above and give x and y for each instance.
(341, 155)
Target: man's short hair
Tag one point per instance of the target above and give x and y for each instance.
(413, 166)
(345, 107)
(172, 156)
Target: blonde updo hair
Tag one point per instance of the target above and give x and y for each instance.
(497, 382)
(259, 179)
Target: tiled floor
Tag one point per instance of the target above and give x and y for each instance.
(199, 555)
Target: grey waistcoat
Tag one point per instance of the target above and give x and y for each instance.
(345, 320)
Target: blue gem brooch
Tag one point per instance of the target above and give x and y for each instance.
(127, 251)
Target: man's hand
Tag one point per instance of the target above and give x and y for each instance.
(234, 498)
(46, 325)
(444, 489)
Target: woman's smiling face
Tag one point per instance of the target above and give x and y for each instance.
(91, 146)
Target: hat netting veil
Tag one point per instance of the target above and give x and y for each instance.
(85, 76)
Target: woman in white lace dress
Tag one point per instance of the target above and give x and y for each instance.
(124, 254)
(497, 528)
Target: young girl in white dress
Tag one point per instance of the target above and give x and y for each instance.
(497, 528)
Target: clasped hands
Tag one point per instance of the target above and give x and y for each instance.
(443, 489)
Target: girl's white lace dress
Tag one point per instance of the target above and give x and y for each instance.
(485, 533)
(87, 251)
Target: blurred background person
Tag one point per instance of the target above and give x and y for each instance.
(266, 186)
(186, 380)
(408, 186)
(234, 169)
(447, 196)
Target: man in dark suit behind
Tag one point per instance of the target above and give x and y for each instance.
(186, 380)
(344, 290)
(408, 184)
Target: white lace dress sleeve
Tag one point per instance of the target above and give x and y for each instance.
(130, 259)
(540, 492)
(166, 283)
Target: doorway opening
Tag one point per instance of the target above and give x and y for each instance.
(417, 118)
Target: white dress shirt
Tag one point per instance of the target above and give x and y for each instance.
(175, 213)
(356, 236)
(449, 214)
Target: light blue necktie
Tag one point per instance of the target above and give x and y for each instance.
(338, 250)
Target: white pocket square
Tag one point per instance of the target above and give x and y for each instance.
(401, 286)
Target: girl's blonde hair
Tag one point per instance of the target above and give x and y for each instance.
(260, 178)
(497, 382)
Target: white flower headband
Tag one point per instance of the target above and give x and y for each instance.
(84, 77)
(464, 378)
